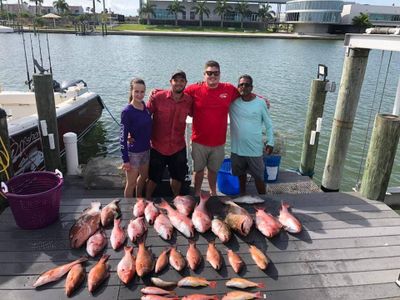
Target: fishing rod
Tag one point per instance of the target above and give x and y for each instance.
(33, 57)
(40, 51)
(26, 63)
(48, 52)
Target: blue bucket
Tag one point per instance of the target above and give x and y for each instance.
(227, 183)
(271, 169)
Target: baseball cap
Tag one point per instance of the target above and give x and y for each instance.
(178, 73)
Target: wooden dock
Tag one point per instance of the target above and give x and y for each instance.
(349, 249)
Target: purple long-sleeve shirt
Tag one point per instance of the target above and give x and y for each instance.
(138, 123)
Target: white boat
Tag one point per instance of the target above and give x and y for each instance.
(5, 29)
(77, 111)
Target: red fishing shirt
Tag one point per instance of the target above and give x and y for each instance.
(169, 121)
(210, 112)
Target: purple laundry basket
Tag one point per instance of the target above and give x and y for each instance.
(34, 198)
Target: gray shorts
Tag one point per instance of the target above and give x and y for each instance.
(241, 165)
(206, 156)
(139, 159)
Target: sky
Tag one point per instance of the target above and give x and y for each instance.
(130, 7)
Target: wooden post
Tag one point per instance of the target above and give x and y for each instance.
(354, 67)
(46, 109)
(381, 153)
(6, 166)
(315, 111)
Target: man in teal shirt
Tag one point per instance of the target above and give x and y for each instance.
(248, 114)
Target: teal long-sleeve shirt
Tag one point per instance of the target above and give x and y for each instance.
(247, 119)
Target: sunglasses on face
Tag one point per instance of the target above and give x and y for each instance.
(244, 84)
(210, 73)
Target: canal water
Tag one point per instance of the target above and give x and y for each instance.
(282, 71)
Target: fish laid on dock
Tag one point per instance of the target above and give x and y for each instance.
(118, 235)
(191, 281)
(57, 272)
(162, 261)
(180, 221)
(201, 218)
(162, 283)
(136, 228)
(266, 223)
(200, 297)
(151, 212)
(98, 274)
(144, 260)
(87, 224)
(176, 259)
(184, 204)
(110, 212)
(193, 256)
(163, 226)
(221, 229)
(214, 257)
(238, 218)
(235, 261)
(241, 295)
(242, 283)
(75, 278)
(152, 290)
(248, 200)
(290, 222)
(96, 243)
(259, 257)
(139, 207)
(157, 297)
(126, 268)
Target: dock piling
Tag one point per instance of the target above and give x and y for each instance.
(354, 67)
(381, 153)
(46, 109)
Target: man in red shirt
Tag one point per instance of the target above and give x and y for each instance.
(211, 100)
(168, 147)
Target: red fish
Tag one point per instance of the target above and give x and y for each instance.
(235, 260)
(259, 257)
(56, 273)
(238, 218)
(139, 207)
(163, 227)
(96, 243)
(193, 256)
(87, 224)
(176, 260)
(221, 230)
(98, 274)
(184, 204)
(201, 218)
(158, 297)
(110, 212)
(126, 268)
(241, 295)
(151, 212)
(289, 222)
(241, 283)
(162, 261)
(200, 297)
(266, 223)
(118, 235)
(144, 260)
(191, 281)
(181, 222)
(152, 290)
(75, 278)
(136, 228)
(214, 257)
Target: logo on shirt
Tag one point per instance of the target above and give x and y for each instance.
(223, 96)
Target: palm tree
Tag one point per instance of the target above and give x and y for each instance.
(1, 5)
(243, 10)
(174, 8)
(222, 8)
(61, 6)
(362, 21)
(148, 10)
(265, 14)
(94, 6)
(37, 3)
(201, 9)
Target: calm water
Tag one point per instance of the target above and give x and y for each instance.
(282, 71)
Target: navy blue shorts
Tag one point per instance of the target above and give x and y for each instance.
(177, 165)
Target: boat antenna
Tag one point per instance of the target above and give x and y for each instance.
(26, 63)
(48, 52)
(40, 51)
(33, 56)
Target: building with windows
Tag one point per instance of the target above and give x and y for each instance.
(313, 16)
(377, 15)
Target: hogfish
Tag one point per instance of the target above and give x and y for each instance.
(87, 224)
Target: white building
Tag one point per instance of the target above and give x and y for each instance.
(378, 15)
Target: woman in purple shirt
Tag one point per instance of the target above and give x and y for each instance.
(135, 123)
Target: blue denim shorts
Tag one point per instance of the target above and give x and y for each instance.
(139, 159)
